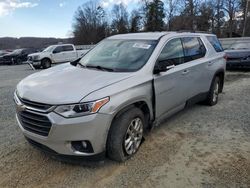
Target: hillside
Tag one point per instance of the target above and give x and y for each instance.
(29, 42)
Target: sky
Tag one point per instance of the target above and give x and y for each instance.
(44, 18)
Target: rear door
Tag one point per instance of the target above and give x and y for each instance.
(69, 53)
(195, 60)
(171, 86)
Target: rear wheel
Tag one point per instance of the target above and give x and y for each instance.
(18, 61)
(126, 135)
(214, 91)
(46, 63)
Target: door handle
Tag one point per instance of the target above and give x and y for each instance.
(185, 72)
(210, 63)
(170, 67)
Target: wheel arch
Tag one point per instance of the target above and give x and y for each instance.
(44, 58)
(142, 105)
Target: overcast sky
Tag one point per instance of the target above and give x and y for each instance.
(44, 18)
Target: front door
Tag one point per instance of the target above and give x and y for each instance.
(171, 87)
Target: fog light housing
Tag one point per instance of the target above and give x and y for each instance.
(83, 146)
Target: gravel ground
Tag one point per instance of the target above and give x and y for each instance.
(199, 147)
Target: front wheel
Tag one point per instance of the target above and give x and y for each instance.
(46, 63)
(126, 135)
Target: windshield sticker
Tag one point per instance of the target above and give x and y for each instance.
(141, 45)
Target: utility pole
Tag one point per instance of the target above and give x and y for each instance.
(247, 14)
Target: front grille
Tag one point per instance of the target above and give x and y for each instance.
(36, 105)
(35, 123)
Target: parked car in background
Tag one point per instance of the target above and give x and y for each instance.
(4, 52)
(238, 55)
(17, 56)
(104, 103)
(55, 54)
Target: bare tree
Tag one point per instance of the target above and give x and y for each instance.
(171, 8)
(231, 7)
(135, 21)
(89, 24)
(120, 19)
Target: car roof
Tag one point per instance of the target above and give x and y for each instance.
(154, 35)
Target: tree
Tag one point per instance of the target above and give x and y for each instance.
(219, 15)
(231, 6)
(120, 19)
(154, 15)
(90, 25)
(135, 21)
(205, 17)
(172, 7)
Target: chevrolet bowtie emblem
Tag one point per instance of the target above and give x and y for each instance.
(20, 107)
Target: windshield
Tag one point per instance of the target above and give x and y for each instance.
(240, 46)
(49, 49)
(119, 55)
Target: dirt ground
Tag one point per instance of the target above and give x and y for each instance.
(198, 147)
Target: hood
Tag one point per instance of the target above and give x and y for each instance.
(9, 56)
(34, 54)
(65, 84)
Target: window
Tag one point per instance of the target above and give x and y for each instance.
(121, 55)
(58, 49)
(215, 43)
(193, 48)
(172, 53)
(68, 48)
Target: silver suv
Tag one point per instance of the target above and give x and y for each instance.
(104, 103)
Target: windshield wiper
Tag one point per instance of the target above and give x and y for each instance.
(99, 68)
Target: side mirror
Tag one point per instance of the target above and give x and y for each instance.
(160, 67)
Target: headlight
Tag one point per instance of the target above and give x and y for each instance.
(81, 109)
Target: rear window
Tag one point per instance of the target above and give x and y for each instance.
(193, 48)
(68, 48)
(215, 43)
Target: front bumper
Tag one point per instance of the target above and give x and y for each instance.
(93, 128)
(35, 62)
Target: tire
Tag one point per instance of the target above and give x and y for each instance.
(214, 91)
(18, 61)
(37, 66)
(46, 63)
(126, 135)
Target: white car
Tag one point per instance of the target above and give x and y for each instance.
(55, 54)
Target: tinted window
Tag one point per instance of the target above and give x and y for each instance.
(172, 53)
(215, 43)
(68, 48)
(193, 48)
(58, 49)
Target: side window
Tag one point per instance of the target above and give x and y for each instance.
(193, 48)
(68, 48)
(172, 53)
(58, 49)
(215, 43)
